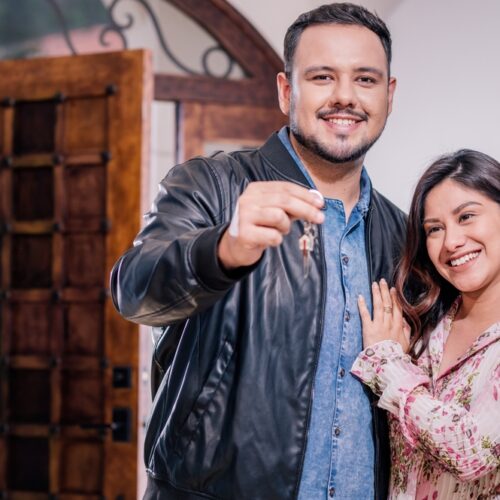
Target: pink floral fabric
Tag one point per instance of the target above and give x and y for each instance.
(445, 429)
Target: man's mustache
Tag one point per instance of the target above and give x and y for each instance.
(342, 112)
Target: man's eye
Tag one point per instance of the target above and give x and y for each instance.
(322, 77)
(367, 79)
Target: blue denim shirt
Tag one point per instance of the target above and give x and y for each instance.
(340, 456)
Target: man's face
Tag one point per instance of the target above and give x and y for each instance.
(340, 93)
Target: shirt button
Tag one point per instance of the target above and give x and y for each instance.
(342, 372)
(337, 431)
(345, 259)
(331, 492)
(347, 316)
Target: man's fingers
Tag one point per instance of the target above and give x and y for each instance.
(263, 237)
(297, 201)
(270, 217)
(294, 207)
(308, 195)
(247, 247)
(263, 215)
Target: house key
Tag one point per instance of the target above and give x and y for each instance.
(308, 239)
(306, 245)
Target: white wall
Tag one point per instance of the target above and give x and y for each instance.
(447, 61)
(272, 18)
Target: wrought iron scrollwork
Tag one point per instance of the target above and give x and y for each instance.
(120, 28)
(64, 27)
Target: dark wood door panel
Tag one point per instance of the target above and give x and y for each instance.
(73, 137)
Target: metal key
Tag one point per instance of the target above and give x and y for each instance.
(306, 245)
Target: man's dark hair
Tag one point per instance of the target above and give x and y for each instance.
(335, 13)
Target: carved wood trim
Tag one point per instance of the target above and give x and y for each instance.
(205, 89)
(243, 42)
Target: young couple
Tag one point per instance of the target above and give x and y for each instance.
(265, 339)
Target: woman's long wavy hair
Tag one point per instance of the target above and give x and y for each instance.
(424, 294)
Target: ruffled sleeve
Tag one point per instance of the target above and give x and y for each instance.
(389, 373)
(462, 432)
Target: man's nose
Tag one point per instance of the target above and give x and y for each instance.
(344, 93)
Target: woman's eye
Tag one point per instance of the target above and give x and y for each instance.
(465, 217)
(432, 230)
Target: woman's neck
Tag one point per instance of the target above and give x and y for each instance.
(480, 307)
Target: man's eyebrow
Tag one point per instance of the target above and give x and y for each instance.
(371, 69)
(314, 69)
(362, 69)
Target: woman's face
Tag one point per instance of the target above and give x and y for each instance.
(462, 228)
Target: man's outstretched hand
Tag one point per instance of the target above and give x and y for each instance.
(264, 214)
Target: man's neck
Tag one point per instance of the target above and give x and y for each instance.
(339, 181)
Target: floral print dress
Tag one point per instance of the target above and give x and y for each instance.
(445, 429)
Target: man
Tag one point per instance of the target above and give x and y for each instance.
(252, 279)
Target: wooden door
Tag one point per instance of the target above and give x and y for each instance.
(205, 127)
(73, 144)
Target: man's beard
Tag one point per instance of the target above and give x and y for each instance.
(342, 155)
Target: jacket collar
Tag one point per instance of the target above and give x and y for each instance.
(281, 161)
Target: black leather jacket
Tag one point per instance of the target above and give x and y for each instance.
(237, 353)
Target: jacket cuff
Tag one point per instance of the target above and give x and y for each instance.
(205, 263)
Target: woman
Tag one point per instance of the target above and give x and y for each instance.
(443, 397)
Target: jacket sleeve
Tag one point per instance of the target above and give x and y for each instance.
(172, 270)
(465, 438)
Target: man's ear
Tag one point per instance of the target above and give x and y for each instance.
(391, 90)
(284, 92)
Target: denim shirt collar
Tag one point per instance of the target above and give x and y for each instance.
(365, 186)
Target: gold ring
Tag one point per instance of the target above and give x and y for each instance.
(388, 309)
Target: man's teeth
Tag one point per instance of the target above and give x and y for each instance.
(464, 259)
(342, 121)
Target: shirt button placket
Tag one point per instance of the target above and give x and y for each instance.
(331, 492)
